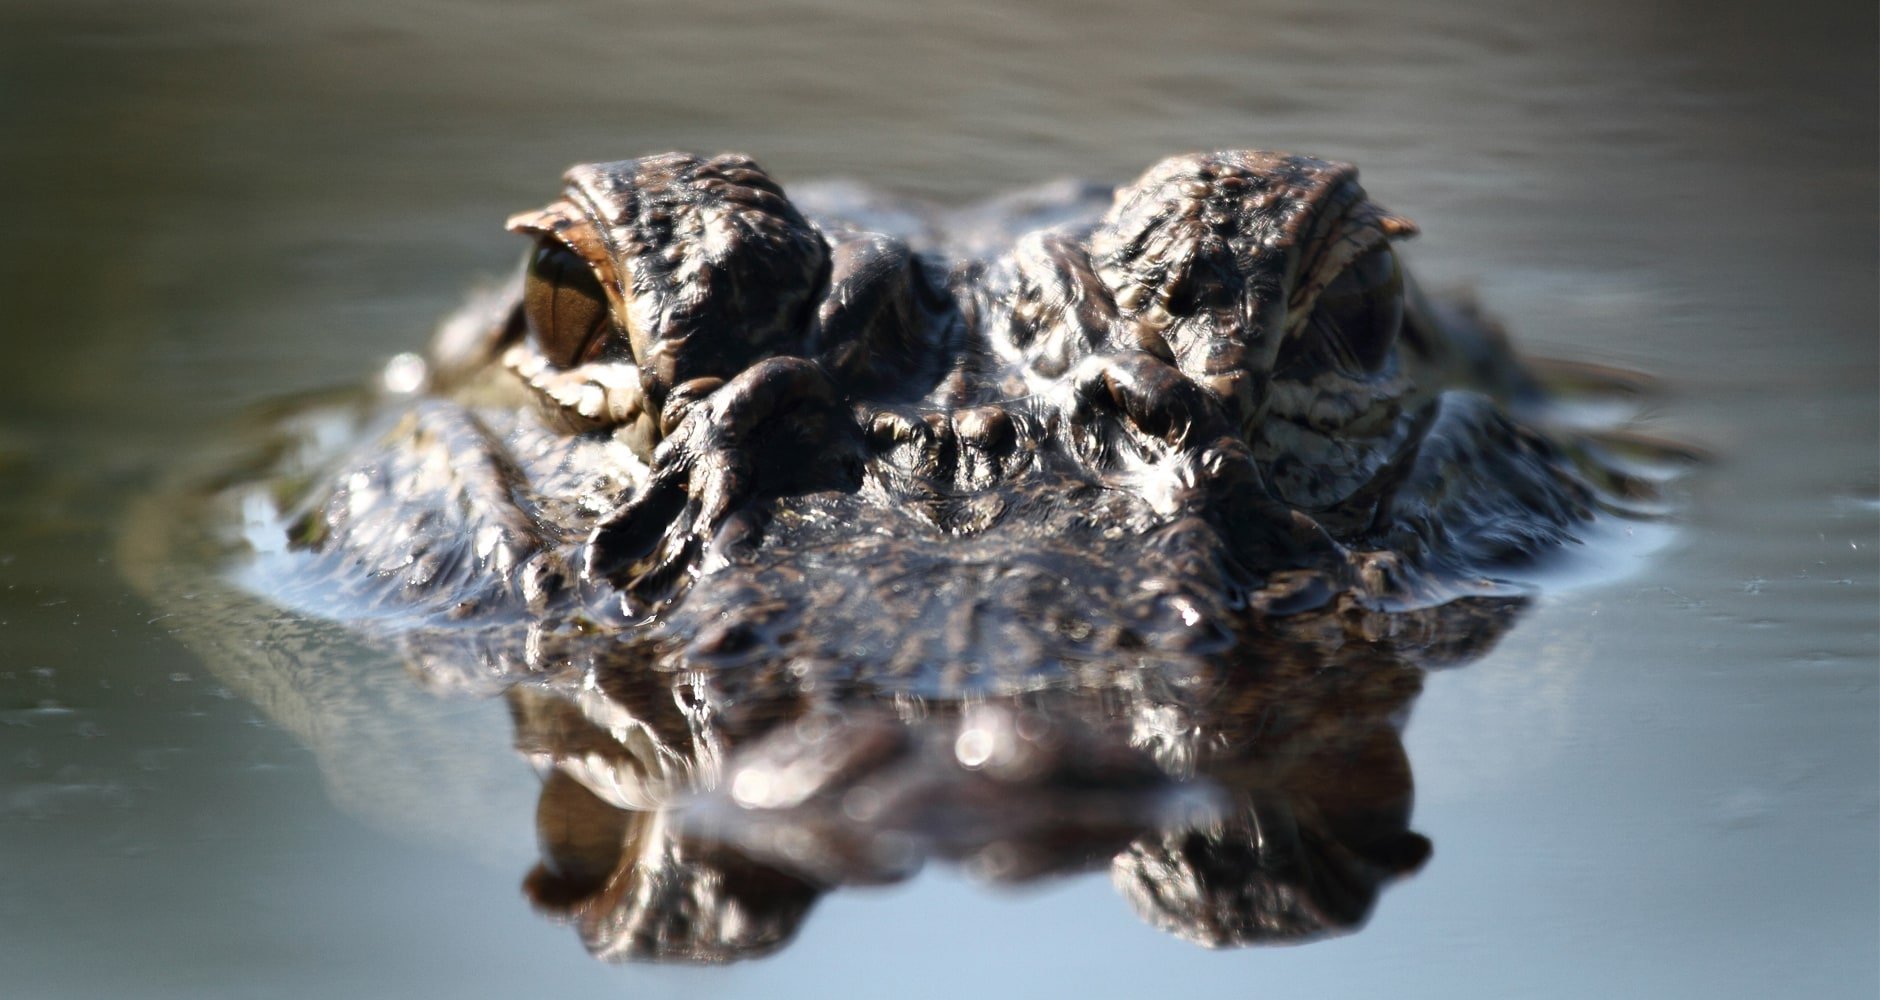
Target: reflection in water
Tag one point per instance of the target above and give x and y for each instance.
(1265, 799)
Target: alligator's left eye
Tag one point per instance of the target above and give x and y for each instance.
(1360, 313)
(563, 304)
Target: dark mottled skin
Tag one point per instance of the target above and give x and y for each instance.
(810, 541)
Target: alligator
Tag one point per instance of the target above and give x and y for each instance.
(860, 531)
(1217, 401)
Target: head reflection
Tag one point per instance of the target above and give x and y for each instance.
(697, 817)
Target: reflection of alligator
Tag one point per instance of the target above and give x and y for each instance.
(1262, 799)
(1181, 481)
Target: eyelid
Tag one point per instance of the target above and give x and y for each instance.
(1359, 231)
(564, 222)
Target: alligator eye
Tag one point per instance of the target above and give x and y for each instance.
(563, 304)
(1361, 311)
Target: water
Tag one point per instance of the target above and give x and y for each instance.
(1661, 786)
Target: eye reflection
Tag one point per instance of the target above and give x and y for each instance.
(563, 305)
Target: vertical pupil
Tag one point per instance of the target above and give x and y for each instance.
(563, 305)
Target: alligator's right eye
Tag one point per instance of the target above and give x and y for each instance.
(563, 304)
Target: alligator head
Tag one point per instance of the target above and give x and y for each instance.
(760, 434)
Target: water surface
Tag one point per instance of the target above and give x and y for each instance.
(1659, 786)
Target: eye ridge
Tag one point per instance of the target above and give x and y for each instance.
(563, 305)
(1360, 312)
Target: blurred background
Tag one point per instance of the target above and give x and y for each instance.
(1663, 785)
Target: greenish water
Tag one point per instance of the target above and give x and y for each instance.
(1660, 786)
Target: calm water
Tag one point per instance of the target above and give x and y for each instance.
(1662, 786)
